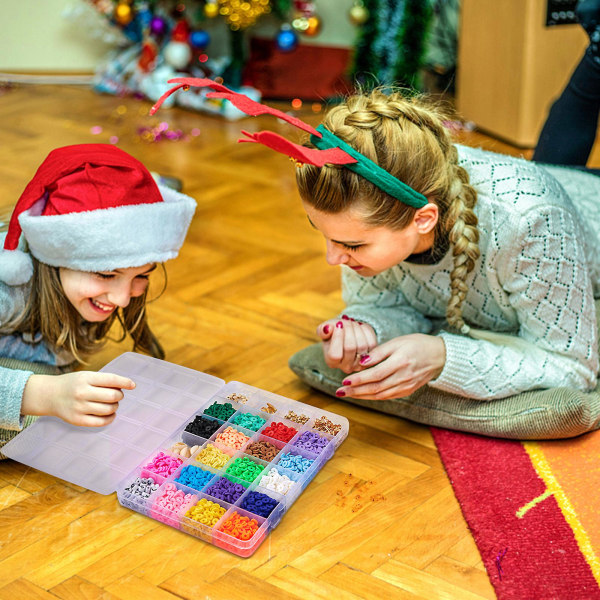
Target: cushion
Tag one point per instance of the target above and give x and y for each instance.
(539, 414)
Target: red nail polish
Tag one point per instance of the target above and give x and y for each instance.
(340, 393)
(339, 324)
(345, 317)
(365, 358)
(346, 382)
(326, 329)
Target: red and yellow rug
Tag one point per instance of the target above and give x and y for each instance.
(533, 509)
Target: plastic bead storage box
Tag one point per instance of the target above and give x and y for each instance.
(222, 462)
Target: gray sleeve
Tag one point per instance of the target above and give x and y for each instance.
(380, 302)
(550, 289)
(12, 381)
(12, 384)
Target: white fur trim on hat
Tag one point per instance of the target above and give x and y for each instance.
(110, 238)
(16, 267)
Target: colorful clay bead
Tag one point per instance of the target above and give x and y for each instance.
(232, 437)
(172, 498)
(276, 481)
(249, 421)
(239, 526)
(245, 468)
(203, 426)
(142, 487)
(194, 477)
(225, 490)
(280, 431)
(213, 457)
(163, 464)
(206, 512)
(294, 462)
(220, 411)
(263, 450)
(259, 504)
(313, 442)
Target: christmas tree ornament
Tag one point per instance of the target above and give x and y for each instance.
(177, 51)
(199, 39)
(300, 23)
(158, 26)
(242, 14)
(211, 9)
(123, 13)
(148, 55)
(286, 40)
(313, 26)
(306, 21)
(358, 14)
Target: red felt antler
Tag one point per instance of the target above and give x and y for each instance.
(312, 156)
(245, 104)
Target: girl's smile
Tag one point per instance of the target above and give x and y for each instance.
(96, 296)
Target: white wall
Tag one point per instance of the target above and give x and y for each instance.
(36, 36)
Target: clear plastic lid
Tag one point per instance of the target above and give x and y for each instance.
(98, 458)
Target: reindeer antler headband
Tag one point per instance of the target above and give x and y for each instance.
(331, 149)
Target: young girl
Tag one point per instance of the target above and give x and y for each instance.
(84, 237)
(466, 271)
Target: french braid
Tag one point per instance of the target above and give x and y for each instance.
(407, 138)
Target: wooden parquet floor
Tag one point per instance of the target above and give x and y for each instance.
(248, 289)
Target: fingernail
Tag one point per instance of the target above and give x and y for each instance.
(339, 324)
(345, 317)
(326, 329)
(346, 382)
(365, 358)
(340, 393)
(353, 320)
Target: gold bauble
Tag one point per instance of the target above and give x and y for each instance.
(123, 13)
(358, 14)
(241, 14)
(211, 10)
(314, 26)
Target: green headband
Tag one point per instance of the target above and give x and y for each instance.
(370, 170)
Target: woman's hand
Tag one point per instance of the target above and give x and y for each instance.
(345, 341)
(397, 368)
(83, 398)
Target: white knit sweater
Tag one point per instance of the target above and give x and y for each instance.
(534, 284)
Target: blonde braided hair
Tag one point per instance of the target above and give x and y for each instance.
(406, 137)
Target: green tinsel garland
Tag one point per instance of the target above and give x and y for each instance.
(368, 65)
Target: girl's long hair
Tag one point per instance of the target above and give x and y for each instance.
(48, 312)
(406, 137)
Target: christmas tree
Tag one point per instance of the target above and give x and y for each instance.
(391, 43)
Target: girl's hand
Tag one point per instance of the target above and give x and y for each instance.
(401, 366)
(345, 341)
(83, 398)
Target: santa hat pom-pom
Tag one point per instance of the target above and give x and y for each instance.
(16, 267)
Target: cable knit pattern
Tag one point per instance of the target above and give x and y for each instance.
(533, 285)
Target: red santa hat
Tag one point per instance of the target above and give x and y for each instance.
(93, 207)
